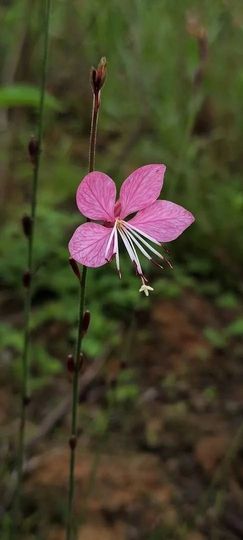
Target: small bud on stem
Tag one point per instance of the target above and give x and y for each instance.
(73, 442)
(123, 364)
(86, 321)
(33, 148)
(26, 279)
(26, 400)
(113, 382)
(27, 225)
(75, 267)
(70, 363)
(81, 361)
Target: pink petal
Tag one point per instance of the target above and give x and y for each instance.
(88, 244)
(163, 220)
(141, 188)
(96, 196)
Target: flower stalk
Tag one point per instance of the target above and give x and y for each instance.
(28, 224)
(97, 81)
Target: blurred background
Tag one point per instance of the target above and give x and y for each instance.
(161, 394)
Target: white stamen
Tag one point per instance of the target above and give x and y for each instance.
(138, 235)
(130, 240)
(133, 239)
(109, 241)
(116, 251)
(131, 252)
(128, 224)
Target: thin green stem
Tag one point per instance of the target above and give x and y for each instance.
(30, 251)
(93, 131)
(75, 385)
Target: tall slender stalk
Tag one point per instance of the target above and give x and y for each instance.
(29, 230)
(97, 81)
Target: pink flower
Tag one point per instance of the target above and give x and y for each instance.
(156, 221)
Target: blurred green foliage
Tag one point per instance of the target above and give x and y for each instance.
(20, 95)
(153, 110)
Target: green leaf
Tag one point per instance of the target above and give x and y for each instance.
(227, 300)
(236, 328)
(21, 95)
(215, 337)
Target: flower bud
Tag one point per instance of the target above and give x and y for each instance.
(33, 148)
(73, 442)
(86, 321)
(123, 364)
(70, 363)
(26, 279)
(26, 400)
(81, 361)
(98, 76)
(75, 267)
(27, 225)
(113, 382)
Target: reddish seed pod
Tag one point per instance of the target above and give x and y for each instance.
(70, 363)
(26, 279)
(98, 76)
(74, 267)
(33, 148)
(27, 225)
(73, 442)
(86, 321)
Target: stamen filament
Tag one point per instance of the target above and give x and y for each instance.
(116, 251)
(109, 241)
(131, 251)
(127, 224)
(129, 238)
(144, 252)
(137, 235)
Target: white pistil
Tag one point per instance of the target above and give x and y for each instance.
(146, 288)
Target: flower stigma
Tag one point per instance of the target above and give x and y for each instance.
(145, 288)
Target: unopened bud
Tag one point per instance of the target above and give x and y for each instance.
(73, 442)
(33, 148)
(123, 364)
(98, 76)
(27, 225)
(26, 401)
(86, 321)
(81, 361)
(26, 279)
(75, 267)
(70, 363)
